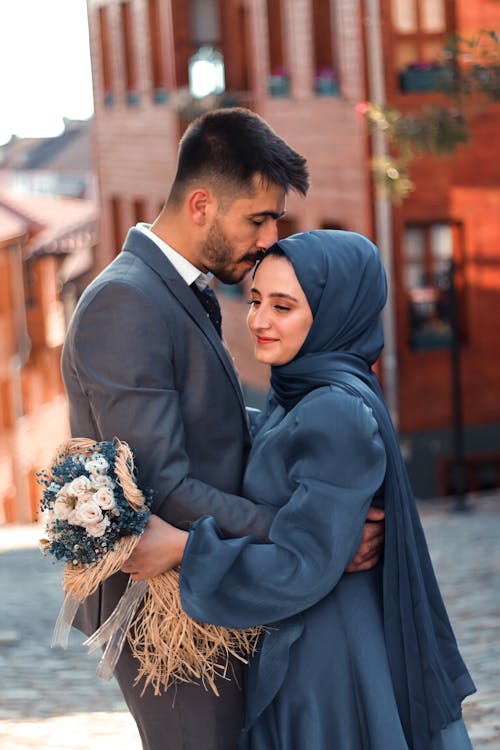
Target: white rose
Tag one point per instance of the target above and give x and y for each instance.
(62, 509)
(86, 497)
(97, 465)
(73, 519)
(88, 513)
(104, 498)
(63, 491)
(98, 528)
(79, 485)
(101, 480)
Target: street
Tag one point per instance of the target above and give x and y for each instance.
(52, 700)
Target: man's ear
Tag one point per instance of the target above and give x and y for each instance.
(200, 204)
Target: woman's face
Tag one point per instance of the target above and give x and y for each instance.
(280, 317)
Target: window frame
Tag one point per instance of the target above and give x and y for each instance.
(424, 73)
(429, 260)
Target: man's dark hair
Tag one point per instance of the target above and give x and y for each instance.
(228, 147)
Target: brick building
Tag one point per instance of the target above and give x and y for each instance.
(45, 259)
(304, 65)
(60, 165)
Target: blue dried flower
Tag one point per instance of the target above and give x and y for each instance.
(86, 511)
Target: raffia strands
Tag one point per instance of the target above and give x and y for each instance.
(124, 470)
(81, 582)
(171, 647)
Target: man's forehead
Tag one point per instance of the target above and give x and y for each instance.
(268, 198)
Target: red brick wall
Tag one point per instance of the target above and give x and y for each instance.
(136, 146)
(471, 16)
(466, 189)
(136, 151)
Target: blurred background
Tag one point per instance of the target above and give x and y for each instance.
(394, 103)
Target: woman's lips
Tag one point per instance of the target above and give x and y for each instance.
(263, 340)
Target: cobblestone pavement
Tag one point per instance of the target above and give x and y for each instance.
(52, 700)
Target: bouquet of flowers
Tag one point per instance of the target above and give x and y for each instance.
(94, 514)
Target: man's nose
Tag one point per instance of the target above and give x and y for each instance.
(268, 234)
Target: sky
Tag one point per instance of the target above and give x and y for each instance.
(44, 66)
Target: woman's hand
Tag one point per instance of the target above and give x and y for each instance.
(160, 548)
(372, 543)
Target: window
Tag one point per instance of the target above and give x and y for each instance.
(278, 81)
(183, 44)
(206, 65)
(157, 49)
(238, 54)
(205, 23)
(107, 81)
(196, 23)
(420, 28)
(129, 53)
(325, 69)
(430, 278)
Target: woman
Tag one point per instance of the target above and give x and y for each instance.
(348, 662)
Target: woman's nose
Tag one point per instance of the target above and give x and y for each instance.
(258, 318)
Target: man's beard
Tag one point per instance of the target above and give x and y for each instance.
(220, 256)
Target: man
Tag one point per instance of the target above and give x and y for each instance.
(142, 361)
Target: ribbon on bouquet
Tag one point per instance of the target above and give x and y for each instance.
(114, 630)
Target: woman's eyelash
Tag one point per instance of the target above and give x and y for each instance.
(252, 302)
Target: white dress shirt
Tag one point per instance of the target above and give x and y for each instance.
(183, 266)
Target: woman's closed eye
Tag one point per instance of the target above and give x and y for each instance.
(276, 306)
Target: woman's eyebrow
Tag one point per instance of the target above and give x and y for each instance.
(276, 294)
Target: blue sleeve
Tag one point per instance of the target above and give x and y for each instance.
(336, 461)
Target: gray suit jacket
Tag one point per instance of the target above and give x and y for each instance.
(142, 362)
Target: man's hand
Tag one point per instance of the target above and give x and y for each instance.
(160, 548)
(372, 543)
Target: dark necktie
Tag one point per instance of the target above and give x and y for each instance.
(210, 303)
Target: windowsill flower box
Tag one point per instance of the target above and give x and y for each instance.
(160, 95)
(423, 77)
(326, 82)
(278, 83)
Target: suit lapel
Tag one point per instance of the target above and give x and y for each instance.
(141, 246)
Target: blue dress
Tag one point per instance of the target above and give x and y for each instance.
(321, 678)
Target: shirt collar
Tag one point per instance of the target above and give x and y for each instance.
(182, 265)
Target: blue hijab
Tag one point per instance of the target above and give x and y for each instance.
(344, 281)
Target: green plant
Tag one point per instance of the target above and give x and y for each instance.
(471, 75)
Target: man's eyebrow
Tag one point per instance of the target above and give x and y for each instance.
(271, 214)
